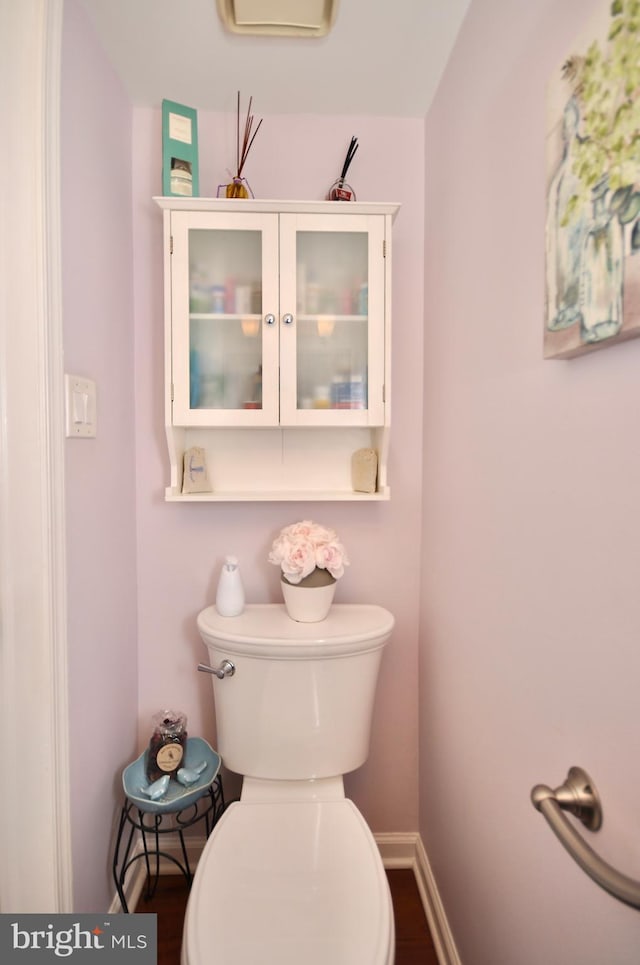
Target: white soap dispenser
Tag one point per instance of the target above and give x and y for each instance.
(230, 593)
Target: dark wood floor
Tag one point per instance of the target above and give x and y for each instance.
(413, 941)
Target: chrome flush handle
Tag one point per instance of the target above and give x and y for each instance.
(226, 669)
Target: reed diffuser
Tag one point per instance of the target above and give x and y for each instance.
(340, 190)
(239, 186)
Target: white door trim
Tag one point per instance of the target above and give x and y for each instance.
(35, 831)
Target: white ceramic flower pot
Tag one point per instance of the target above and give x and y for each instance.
(308, 604)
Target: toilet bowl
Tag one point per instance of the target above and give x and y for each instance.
(291, 873)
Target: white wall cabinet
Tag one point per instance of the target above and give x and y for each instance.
(277, 344)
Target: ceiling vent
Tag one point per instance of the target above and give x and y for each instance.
(283, 18)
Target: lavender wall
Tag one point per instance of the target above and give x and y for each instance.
(181, 547)
(97, 270)
(529, 657)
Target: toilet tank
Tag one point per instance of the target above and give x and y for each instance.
(300, 702)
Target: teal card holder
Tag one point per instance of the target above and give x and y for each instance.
(180, 175)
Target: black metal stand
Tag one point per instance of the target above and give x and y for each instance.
(207, 808)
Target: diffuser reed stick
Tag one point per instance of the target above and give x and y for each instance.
(237, 189)
(340, 190)
(353, 147)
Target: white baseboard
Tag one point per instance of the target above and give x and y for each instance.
(137, 873)
(398, 850)
(433, 908)
(132, 885)
(406, 850)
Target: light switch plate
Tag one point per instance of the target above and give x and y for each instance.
(80, 407)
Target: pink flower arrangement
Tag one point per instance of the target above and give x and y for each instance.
(302, 547)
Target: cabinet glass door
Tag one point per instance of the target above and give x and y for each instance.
(335, 341)
(224, 360)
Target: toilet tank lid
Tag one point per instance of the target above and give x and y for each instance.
(266, 629)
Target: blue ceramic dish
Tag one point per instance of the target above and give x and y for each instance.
(177, 797)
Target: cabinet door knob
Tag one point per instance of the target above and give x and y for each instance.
(287, 319)
(269, 319)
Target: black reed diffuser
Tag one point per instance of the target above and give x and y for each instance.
(340, 190)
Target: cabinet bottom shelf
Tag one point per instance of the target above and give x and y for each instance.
(292, 496)
(277, 464)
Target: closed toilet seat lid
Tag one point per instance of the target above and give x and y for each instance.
(290, 884)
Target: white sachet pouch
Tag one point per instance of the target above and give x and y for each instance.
(364, 470)
(195, 478)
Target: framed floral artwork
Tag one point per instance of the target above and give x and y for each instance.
(592, 237)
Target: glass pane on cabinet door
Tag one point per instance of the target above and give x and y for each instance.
(225, 309)
(332, 332)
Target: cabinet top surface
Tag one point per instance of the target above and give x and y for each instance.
(293, 207)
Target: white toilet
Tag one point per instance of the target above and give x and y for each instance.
(291, 874)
